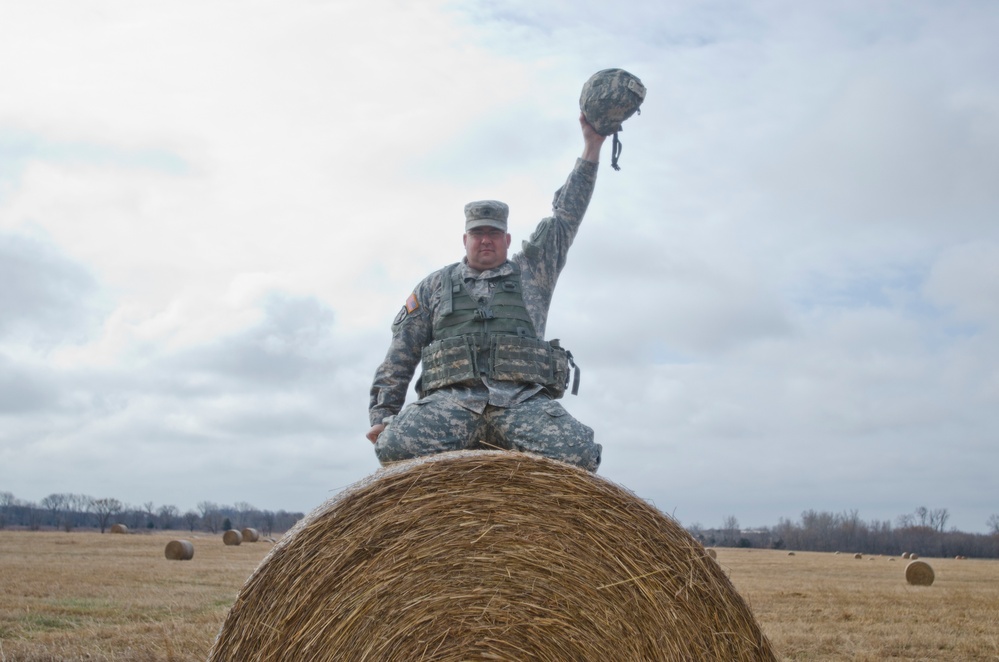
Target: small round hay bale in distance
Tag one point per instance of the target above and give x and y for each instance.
(905, 555)
(790, 553)
(488, 555)
(711, 552)
(250, 535)
(232, 537)
(919, 573)
(913, 556)
(179, 550)
(858, 555)
(119, 528)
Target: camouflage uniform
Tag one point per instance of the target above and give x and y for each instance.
(493, 413)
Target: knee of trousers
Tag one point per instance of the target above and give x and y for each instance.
(387, 447)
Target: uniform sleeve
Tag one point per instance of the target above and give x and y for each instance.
(548, 248)
(412, 330)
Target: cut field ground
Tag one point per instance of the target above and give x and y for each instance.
(87, 596)
(823, 606)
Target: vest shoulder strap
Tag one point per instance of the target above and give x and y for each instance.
(447, 288)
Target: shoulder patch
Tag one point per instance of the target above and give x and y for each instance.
(412, 305)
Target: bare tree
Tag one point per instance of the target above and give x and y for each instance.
(938, 519)
(243, 512)
(105, 509)
(32, 515)
(168, 514)
(731, 529)
(55, 503)
(78, 505)
(993, 524)
(133, 516)
(7, 499)
(211, 515)
(268, 517)
(191, 518)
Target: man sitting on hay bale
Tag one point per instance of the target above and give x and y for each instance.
(489, 378)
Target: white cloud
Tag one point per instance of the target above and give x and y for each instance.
(965, 280)
(46, 298)
(217, 209)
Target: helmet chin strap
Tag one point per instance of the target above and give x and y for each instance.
(609, 97)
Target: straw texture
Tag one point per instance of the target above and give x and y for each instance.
(488, 555)
(919, 573)
(179, 550)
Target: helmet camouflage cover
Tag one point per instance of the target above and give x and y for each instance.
(610, 97)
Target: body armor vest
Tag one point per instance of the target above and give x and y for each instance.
(496, 339)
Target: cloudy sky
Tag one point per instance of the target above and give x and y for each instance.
(787, 299)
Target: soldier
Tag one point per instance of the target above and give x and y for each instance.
(489, 378)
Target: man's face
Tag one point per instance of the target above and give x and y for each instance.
(485, 247)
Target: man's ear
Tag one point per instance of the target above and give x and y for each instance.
(509, 239)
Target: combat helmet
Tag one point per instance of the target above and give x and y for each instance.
(610, 97)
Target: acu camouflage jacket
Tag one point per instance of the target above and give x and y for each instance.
(540, 260)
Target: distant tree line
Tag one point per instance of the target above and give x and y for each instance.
(77, 511)
(923, 532)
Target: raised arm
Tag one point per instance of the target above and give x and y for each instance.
(592, 141)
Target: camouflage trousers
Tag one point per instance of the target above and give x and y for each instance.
(437, 424)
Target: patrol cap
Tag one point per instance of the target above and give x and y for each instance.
(490, 213)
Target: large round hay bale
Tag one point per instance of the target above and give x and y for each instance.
(119, 528)
(488, 555)
(919, 573)
(179, 550)
(250, 535)
(232, 537)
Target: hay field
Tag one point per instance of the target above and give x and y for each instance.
(86, 596)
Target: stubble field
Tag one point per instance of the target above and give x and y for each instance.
(87, 596)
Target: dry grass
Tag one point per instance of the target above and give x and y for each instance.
(84, 596)
(823, 607)
(87, 596)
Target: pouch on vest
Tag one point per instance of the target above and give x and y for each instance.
(449, 361)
